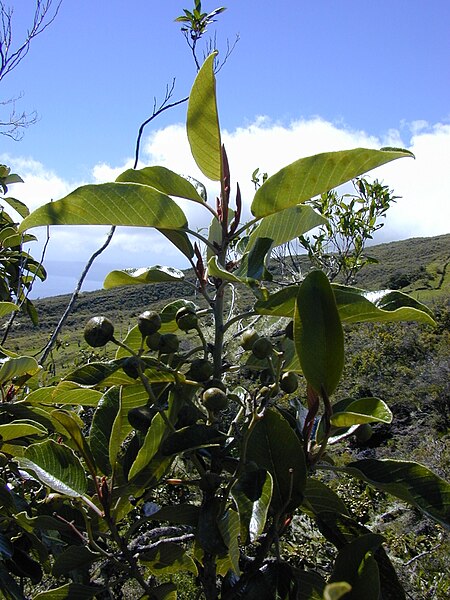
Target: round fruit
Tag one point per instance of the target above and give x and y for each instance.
(289, 331)
(149, 322)
(364, 433)
(215, 383)
(262, 348)
(201, 369)
(98, 331)
(168, 343)
(186, 319)
(248, 338)
(289, 382)
(130, 366)
(153, 341)
(214, 399)
(140, 418)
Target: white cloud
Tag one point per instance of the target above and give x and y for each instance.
(423, 184)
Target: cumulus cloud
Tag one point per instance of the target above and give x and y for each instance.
(423, 183)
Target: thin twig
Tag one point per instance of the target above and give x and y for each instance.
(74, 297)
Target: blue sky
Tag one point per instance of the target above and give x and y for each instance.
(304, 77)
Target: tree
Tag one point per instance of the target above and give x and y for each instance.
(12, 54)
(187, 466)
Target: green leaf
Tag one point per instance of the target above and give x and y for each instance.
(354, 305)
(286, 225)
(337, 590)
(164, 180)
(56, 466)
(253, 507)
(16, 367)
(102, 424)
(203, 122)
(18, 206)
(20, 428)
(314, 175)
(150, 447)
(156, 274)
(408, 481)
(69, 591)
(127, 204)
(76, 435)
(318, 335)
(183, 514)
(190, 438)
(7, 308)
(357, 306)
(355, 565)
(166, 558)
(74, 558)
(273, 446)
(252, 266)
(8, 586)
(180, 240)
(363, 410)
(229, 530)
(320, 498)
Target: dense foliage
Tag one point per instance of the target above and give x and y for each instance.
(205, 459)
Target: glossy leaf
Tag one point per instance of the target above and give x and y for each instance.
(150, 446)
(253, 507)
(203, 122)
(16, 367)
(318, 335)
(273, 446)
(7, 308)
(166, 558)
(355, 565)
(56, 466)
(156, 274)
(286, 225)
(408, 481)
(76, 435)
(229, 529)
(320, 498)
(162, 179)
(101, 427)
(363, 410)
(126, 204)
(74, 558)
(180, 240)
(314, 175)
(190, 438)
(354, 305)
(20, 428)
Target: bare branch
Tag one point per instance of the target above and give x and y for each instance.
(44, 14)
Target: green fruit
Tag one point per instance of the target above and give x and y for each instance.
(149, 322)
(201, 369)
(215, 383)
(140, 418)
(262, 348)
(98, 331)
(153, 341)
(214, 399)
(289, 331)
(248, 338)
(364, 433)
(130, 366)
(186, 319)
(169, 343)
(289, 382)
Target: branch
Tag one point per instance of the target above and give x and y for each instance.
(74, 297)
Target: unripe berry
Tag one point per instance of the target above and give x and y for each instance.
(262, 348)
(98, 331)
(289, 382)
(214, 399)
(186, 319)
(248, 338)
(149, 322)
